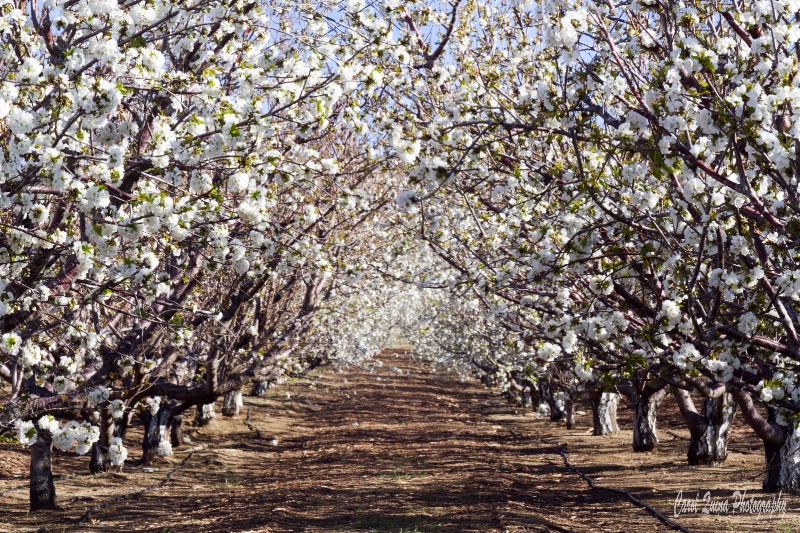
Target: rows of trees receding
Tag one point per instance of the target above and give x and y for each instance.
(567, 198)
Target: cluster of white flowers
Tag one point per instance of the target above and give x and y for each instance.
(11, 343)
(748, 323)
(48, 423)
(99, 395)
(81, 436)
(601, 285)
(722, 366)
(26, 432)
(153, 404)
(686, 356)
(583, 370)
(548, 352)
(406, 149)
(671, 312)
(569, 341)
(117, 452)
(164, 447)
(567, 32)
(117, 409)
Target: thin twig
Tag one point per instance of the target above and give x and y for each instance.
(251, 427)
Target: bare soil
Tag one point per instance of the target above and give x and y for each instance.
(400, 449)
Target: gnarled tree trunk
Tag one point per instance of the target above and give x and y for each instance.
(709, 428)
(43, 490)
(260, 389)
(645, 406)
(569, 407)
(156, 430)
(100, 461)
(781, 445)
(527, 401)
(205, 415)
(514, 392)
(783, 464)
(604, 412)
(511, 397)
(231, 402)
(121, 424)
(533, 391)
(555, 401)
(176, 429)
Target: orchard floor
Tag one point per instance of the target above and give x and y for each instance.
(401, 449)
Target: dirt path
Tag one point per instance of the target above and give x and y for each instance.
(397, 450)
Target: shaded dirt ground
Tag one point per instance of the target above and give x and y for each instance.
(400, 449)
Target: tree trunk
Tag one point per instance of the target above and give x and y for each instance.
(43, 490)
(231, 403)
(527, 401)
(644, 419)
(604, 412)
(555, 402)
(205, 415)
(570, 410)
(708, 444)
(121, 425)
(100, 461)
(176, 430)
(783, 465)
(533, 391)
(781, 445)
(156, 427)
(260, 389)
(556, 406)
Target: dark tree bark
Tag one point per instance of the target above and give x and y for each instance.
(570, 410)
(527, 400)
(156, 428)
(782, 457)
(511, 397)
(783, 464)
(604, 412)
(533, 390)
(205, 415)
(489, 380)
(554, 400)
(176, 429)
(43, 490)
(260, 389)
(709, 428)
(645, 407)
(514, 392)
(121, 424)
(781, 445)
(100, 461)
(231, 402)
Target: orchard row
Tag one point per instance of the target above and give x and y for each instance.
(565, 196)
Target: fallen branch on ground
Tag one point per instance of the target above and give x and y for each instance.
(251, 427)
(12, 489)
(631, 497)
